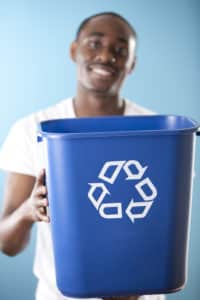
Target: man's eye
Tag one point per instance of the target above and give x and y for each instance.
(94, 44)
(122, 51)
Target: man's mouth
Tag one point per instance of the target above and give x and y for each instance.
(104, 71)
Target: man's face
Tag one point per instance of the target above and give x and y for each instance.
(105, 54)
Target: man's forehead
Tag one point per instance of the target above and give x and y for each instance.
(92, 33)
(101, 25)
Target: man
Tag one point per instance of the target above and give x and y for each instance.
(104, 52)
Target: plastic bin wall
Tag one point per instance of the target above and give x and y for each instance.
(120, 201)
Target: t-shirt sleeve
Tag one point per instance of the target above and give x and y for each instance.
(17, 151)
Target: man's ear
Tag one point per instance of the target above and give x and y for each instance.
(133, 65)
(73, 50)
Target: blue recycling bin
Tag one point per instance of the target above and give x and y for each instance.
(119, 190)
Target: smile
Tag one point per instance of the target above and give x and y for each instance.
(103, 71)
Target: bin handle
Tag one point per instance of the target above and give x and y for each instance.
(39, 137)
(198, 131)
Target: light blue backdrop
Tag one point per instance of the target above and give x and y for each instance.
(35, 71)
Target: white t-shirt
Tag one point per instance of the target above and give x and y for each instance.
(20, 153)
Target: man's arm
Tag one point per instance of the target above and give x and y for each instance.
(23, 204)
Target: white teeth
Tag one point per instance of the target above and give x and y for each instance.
(102, 72)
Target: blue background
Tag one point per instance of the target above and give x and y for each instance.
(36, 71)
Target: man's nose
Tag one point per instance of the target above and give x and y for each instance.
(106, 55)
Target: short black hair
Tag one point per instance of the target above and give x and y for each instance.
(108, 13)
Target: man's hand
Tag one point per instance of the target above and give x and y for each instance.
(38, 203)
(25, 202)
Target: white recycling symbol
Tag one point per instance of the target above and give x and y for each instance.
(141, 187)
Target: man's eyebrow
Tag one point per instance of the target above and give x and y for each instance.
(101, 34)
(96, 33)
(123, 40)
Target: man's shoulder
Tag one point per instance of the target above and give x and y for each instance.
(62, 109)
(133, 108)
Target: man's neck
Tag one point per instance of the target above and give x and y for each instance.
(93, 104)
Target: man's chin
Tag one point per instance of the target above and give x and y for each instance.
(103, 90)
(100, 88)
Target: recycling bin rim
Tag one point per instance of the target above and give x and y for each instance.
(191, 127)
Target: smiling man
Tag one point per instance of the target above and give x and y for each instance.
(104, 53)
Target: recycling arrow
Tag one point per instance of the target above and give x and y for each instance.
(153, 191)
(117, 164)
(106, 215)
(130, 211)
(104, 191)
(139, 168)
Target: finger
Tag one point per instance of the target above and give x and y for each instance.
(42, 217)
(41, 191)
(40, 178)
(42, 202)
(43, 210)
